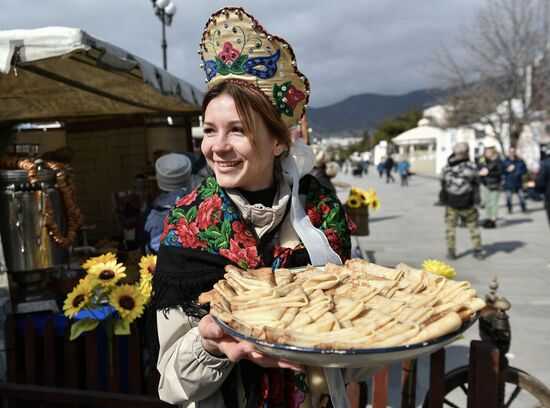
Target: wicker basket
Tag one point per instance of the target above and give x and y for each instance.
(361, 218)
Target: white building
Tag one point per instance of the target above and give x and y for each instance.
(428, 146)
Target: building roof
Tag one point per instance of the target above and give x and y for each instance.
(62, 73)
(419, 135)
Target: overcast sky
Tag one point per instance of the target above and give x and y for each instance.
(345, 47)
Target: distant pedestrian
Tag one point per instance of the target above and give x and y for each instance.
(388, 167)
(514, 169)
(460, 194)
(542, 182)
(366, 162)
(403, 168)
(490, 172)
(347, 166)
(380, 167)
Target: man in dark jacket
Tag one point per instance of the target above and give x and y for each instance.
(460, 194)
(388, 166)
(490, 171)
(542, 182)
(514, 169)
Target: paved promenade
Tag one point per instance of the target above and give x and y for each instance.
(409, 228)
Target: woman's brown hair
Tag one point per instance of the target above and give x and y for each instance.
(248, 101)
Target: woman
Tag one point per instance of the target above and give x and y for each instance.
(246, 214)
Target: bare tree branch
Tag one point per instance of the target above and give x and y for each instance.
(500, 75)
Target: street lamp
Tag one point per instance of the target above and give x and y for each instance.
(165, 11)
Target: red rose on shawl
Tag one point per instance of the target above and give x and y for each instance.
(187, 234)
(313, 214)
(294, 96)
(188, 199)
(281, 253)
(244, 257)
(325, 209)
(243, 235)
(229, 53)
(334, 240)
(209, 212)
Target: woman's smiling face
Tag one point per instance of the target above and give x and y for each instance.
(229, 152)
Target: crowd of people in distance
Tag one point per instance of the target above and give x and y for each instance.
(467, 186)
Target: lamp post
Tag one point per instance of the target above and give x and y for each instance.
(165, 11)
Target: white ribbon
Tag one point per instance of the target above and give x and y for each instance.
(297, 164)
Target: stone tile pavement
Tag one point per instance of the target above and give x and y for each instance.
(409, 228)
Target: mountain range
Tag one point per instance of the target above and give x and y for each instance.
(366, 111)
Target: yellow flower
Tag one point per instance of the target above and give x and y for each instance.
(365, 197)
(353, 201)
(439, 268)
(128, 301)
(108, 273)
(147, 266)
(145, 288)
(371, 195)
(77, 299)
(375, 204)
(99, 259)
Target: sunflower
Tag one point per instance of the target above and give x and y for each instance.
(77, 299)
(147, 266)
(365, 197)
(128, 301)
(439, 268)
(109, 256)
(107, 273)
(375, 204)
(146, 288)
(354, 201)
(372, 195)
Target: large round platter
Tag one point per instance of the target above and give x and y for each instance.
(349, 358)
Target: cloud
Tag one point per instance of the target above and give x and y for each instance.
(345, 47)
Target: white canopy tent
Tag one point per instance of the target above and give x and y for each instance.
(61, 73)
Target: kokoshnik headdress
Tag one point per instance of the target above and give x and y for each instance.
(235, 47)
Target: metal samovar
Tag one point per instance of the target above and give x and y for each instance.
(30, 252)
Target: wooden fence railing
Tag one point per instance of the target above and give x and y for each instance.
(44, 365)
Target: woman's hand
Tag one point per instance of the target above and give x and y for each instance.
(220, 344)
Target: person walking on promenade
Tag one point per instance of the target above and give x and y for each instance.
(490, 171)
(460, 194)
(403, 168)
(366, 162)
(388, 167)
(514, 169)
(380, 167)
(542, 181)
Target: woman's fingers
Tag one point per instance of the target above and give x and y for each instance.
(233, 349)
(266, 361)
(219, 343)
(208, 328)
